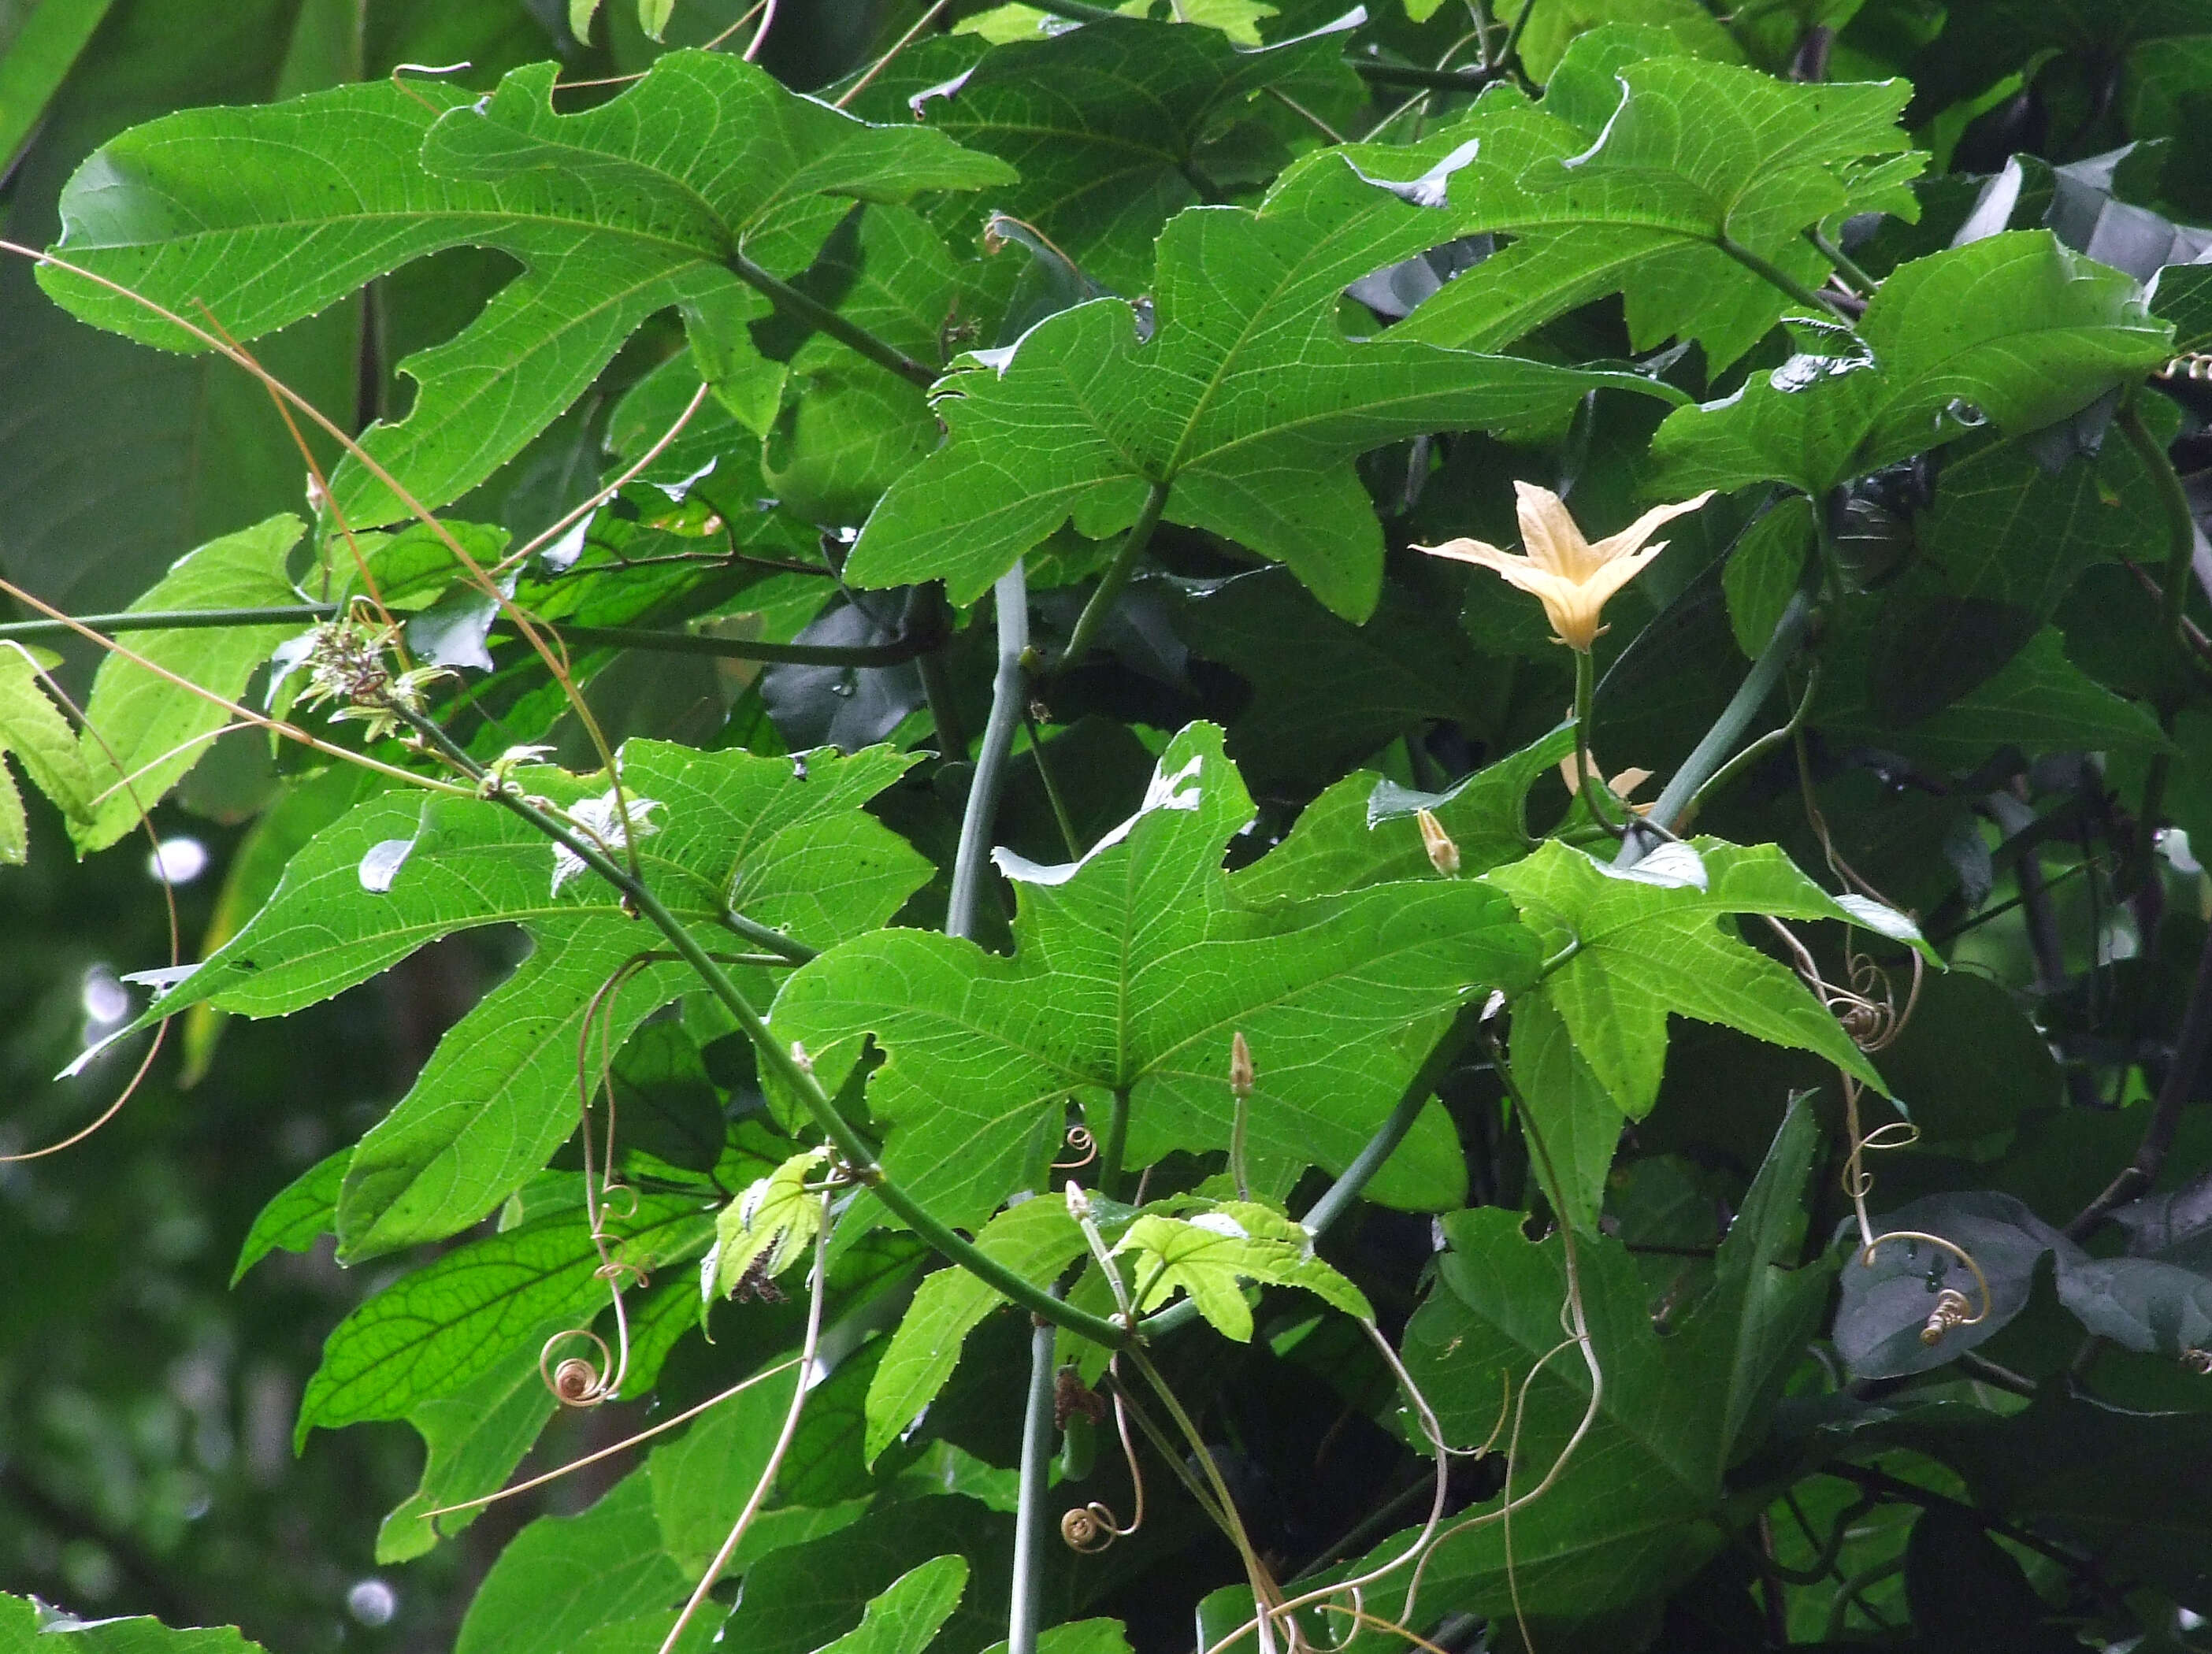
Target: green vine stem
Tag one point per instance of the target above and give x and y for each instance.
(1709, 755)
(1110, 584)
(1778, 276)
(1009, 694)
(1848, 267)
(1026, 1609)
(623, 637)
(790, 1067)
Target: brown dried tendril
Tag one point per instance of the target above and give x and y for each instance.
(576, 1381)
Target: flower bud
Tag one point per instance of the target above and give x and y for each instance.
(1443, 854)
(1241, 1074)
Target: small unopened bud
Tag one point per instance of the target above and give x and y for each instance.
(1240, 1068)
(798, 1055)
(1443, 854)
(1079, 1203)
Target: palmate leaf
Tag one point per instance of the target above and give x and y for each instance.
(767, 1227)
(500, 1092)
(1247, 404)
(2015, 330)
(1656, 180)
(1648, 941)
(1131, 971)
(268, 214)
(34, 732)
(1631, 1517)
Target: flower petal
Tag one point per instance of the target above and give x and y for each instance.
(1631, 538)
(1554, 543)
(1479, 552)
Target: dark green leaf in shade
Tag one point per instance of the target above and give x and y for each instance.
(2015, 331)
(798, 1599)
(1247, 402)
(1327, 693)
(1037, 1239)
(1887, 1303)
(616, 212)
(1131, 971)
(1630, 1517)
(1970, 1594)
(1570, 1113)
(1109, 124)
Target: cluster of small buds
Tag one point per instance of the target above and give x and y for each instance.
(347, 662)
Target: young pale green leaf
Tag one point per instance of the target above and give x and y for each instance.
(33, 729)
(435, 1331)
(1109, 125)
(1211, 1255)
(2015, 330)
(144, 731)
(472, 1441)
(564, 1578)
(618, 211)
(499, 1094)
(1630, 1516)
(1132, 969)
(1247, 404)
(1667, 180)
(297, 1214)
(1649, 941)
(768, 1227)
(1037, 1239)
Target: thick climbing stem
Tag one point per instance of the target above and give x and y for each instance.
(1116, 577)
(1028, 1515)
(1711, 753)
(1009, 694)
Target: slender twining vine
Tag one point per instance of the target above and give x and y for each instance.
(1066, 1040)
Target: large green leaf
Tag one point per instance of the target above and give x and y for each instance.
(1644, 942)
(905, 1617)
(36, 54)
(1666, 180)
(143, 726)
(1630, 1516)
(2015, 330)
(1247, 403)
(433, 1333)
(499, 1094)
(617, 212)
(1131, 971)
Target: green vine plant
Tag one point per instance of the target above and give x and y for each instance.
(943, 582)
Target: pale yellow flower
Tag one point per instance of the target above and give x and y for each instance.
(1571, 577)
